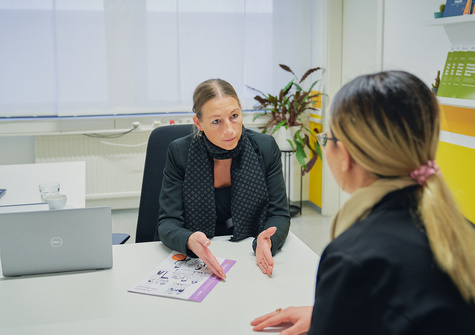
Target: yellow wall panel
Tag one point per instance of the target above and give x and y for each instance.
(315, 188)
(458, 120)
(457, 166)
(315, 179)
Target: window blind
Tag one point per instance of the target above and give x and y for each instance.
(110, 57)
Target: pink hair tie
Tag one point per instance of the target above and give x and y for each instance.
(424, 172)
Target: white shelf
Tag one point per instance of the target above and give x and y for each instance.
(456, 102)
(461, 19)
(459, 29)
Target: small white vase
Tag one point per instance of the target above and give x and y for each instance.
(282, 135)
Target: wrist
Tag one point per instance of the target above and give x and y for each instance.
(254, 245)
(261, 240)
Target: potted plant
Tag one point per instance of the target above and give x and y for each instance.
(440, 13)
(284, 112)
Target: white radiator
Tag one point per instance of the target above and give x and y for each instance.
(114, 166)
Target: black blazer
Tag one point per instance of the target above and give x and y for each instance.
(171, 226)
(379, 277)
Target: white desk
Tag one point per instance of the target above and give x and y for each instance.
(98, 302)
(21, 182)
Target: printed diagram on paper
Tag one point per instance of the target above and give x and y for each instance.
(181, 277)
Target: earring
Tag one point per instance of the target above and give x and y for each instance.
(343, 183)
(201, 133)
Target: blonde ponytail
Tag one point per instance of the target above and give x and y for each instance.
(389, 122)
(451, 236)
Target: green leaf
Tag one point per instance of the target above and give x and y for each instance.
(307, 94)
(286, 101)
(300, 154)
(299, 88)
(310, 89)
(301, 148)
(291, 144)
(278, 126)
(318, 149)
(258, 116)
(288, 86)
(298, 137)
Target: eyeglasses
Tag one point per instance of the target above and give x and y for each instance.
(323, 138)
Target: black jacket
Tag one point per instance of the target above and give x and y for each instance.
(170, 228)
(379, 277)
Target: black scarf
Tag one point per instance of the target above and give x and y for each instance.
(249, 196)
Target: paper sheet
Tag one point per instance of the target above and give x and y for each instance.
(181, 277)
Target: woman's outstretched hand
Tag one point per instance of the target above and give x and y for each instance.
(299, 317)
(199, 243)
(263, 251)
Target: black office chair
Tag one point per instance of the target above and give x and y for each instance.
(119, 238)
(152, 178)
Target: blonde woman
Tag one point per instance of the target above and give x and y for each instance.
(227, 180)
(402, 257)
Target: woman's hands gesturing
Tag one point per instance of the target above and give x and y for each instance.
(199, 243)
(263, 251)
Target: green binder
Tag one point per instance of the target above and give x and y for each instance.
(466, 89)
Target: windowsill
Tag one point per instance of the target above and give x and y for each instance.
(37, 126)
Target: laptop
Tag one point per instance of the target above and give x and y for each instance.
(49, 241)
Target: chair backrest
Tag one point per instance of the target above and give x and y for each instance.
(152, 178)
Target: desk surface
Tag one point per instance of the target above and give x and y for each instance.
(97, 302)
(21, 182)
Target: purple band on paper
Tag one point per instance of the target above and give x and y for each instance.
(211, 282)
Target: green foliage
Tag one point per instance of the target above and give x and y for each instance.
(285, 109)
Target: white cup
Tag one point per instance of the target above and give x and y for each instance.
(48, 188)
(56, 201)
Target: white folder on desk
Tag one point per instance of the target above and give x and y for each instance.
(55, 241)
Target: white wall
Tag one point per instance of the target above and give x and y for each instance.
(411, 45)
(387, 35)
(362, 38)
(392, 35)
(17, 150)
(362, 43)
